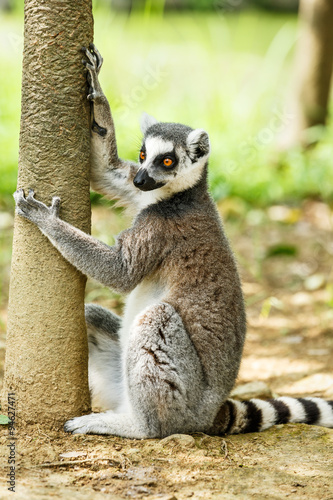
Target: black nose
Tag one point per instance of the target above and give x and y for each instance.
(141, 178)
(143, 181)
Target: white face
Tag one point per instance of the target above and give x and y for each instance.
(167, 169)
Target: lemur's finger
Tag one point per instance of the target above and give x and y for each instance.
(91, 57)
(98, 57)
(18, 195)
(56, 201)
(32, 202)
(20, 202)
(55, 204)
(31, 198)
(87, 64)
(86, 51)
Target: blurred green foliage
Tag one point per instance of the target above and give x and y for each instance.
(158, 5)
(226, 72)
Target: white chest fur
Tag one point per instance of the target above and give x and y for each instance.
(146, 294)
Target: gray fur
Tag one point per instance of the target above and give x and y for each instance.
(174, 132)
(102, 320)
(146, 122)
(170, 363)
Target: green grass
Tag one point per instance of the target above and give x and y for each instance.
(228, 74)
(11, 42)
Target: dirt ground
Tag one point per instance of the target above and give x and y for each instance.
(285, 257)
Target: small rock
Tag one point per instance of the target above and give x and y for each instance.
(314, 282)
(318, 352)
(292, 339)
(182, 440)
(142, 476)
(311, 384)
(301, 299)
(251, 390)
(6, 220)
(255, 217)
(282, 213)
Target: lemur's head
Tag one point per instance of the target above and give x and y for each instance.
(172, 157)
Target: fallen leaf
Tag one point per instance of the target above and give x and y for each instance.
(73, 454)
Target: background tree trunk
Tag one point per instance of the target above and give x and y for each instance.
(313, 70)
(46, 356)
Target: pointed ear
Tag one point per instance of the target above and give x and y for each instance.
(198, 144)
(146, 122)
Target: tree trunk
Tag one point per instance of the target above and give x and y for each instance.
(313, 70)
(46, 356)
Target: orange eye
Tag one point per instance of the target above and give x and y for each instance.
(167, 162)
(142, 155)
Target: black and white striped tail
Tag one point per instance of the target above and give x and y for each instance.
(257, 415)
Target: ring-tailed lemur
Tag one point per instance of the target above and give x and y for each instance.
(170, 363)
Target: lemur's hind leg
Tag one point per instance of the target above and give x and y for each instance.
(165, 377)
(164, 381)
(105, 376)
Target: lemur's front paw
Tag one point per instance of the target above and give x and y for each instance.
(93, 65)
(34, 210)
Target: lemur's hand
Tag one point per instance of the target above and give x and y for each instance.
(34, 210)
(93, 65)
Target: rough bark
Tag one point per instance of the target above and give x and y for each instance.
(46, 355)
(313, 70)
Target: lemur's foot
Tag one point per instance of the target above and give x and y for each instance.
(83, 425)
(93, 65)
